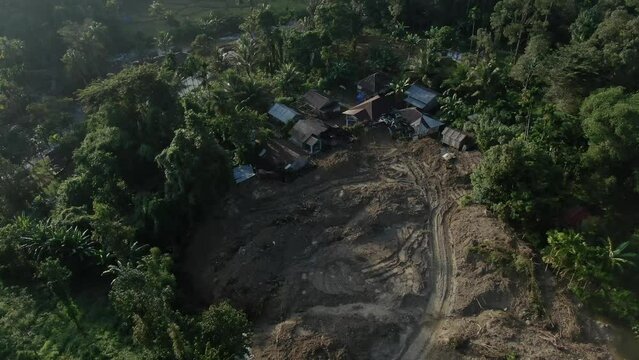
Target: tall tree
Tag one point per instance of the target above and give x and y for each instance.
(513, 19)
(518, 182)
(337, 19)
(86, 54)
(611, 125)
(196, 169)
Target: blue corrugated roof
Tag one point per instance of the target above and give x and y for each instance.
(420, 96)
(243, 173)
(189, 84)
(416, 103)
(282, 113)
(432, 123)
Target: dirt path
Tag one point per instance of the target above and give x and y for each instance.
(441, 271)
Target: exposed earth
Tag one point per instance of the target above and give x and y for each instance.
(372, 256)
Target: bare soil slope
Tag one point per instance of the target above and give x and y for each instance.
(370, 256)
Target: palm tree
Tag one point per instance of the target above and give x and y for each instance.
(568, 253)
(418, 66)
(288, 78)
(399, 88)
(425, 64)
(618, 258)
(413, 41)
(473, 15)
(247, 52)
(164, 41)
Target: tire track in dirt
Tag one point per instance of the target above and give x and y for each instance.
(442, 267)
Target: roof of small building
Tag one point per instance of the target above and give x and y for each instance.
(432, 122)
(306, 128)
(242, 173)
(453, 137)
(374, 83)
(420, 96)
(316, 100)
(411, 114)
(419, 126)
(189, 84)
(280, 154)
(282, 113)
(427, 123)
(311, 141)
(359, 114)
(371, 109)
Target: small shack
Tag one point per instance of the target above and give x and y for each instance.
(422, 98)
(282, 113)
(456, 139)
(370, 110)
(374, 84)
(322, 106)
(281, 156)
(307, 134)
(433, 124)
(423, 125)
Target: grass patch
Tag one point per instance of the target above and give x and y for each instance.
(136, 17)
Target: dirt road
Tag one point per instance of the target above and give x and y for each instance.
(442, 260)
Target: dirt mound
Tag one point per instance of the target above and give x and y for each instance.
(370, 256)
(499, 307)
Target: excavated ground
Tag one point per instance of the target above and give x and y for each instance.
(371, 256)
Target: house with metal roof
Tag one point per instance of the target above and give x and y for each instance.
(456, 139)
(281, 156)
(370, 110)
(374, 84)
(307, 134)
(422, 98)
(283, 113)
(323, 107)
(422, 124)
(432, 123)
(189, 85)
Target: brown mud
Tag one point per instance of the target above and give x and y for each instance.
(372, 256)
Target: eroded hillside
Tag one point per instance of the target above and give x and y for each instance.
(371, 256)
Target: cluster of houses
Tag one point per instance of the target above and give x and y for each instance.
(321, 124)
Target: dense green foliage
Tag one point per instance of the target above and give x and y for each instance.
(144, 296)
(594, 272)
(518, 181)
(106, 165)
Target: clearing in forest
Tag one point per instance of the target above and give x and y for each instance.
(370, 256)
